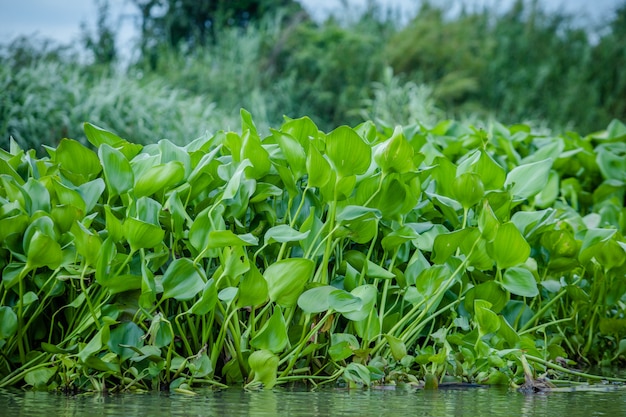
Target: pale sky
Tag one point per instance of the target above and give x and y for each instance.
(60, 20)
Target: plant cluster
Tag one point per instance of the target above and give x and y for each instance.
(366, 255)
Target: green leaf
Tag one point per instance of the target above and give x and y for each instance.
(286, 279)
(140, 234)
(344, 302)
(8, 322)
(95, 344)
(253, 150)
(316, 299)
(159, 178)
(264, 365)
(348, 152)
(252, 288)
(39, 377)
(529, 179)
(395, 154)
(468, 189)
(293, 151)
(487, 320)
(273, 335)
(182, 280)
(446, 244)
(87, 243)
(207, 301)
(509, 248)
(124, 335)
(520, 281)
(118, 173)
(490, 291)
(397, 347)
(283, 233)
(222, 238)
(76, 161)
(98, 137)
(367, 294)
(318, 168)
(43, 251)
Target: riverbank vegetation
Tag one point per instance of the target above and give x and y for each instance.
(363, 239)
(366, 254)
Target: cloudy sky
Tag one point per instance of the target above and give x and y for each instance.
(60, 20)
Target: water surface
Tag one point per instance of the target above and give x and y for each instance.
(235, 402)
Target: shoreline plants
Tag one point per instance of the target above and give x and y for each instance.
(362, 256)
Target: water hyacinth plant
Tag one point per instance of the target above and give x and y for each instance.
(366, 255)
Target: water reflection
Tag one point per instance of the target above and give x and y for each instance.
(234, 402)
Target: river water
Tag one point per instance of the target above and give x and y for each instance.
(473, 402)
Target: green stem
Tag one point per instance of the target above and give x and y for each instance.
(573, 372)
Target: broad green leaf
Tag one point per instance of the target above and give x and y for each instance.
(489, 291)
(509, 248)
(99, 137)
(264, 365)
(368, 295)
(397, 347)
(118, 173)
(140, 234)
(91, 192)
(182, 280)
(160, 333)
(114, 225)
(95, 344)
(342, 346)
(252, 288)
(39, 196)
(13, 225)
(159, 178)
(446, 244)
(124, 335)
(529, 179)
(348, 152)
(316, 299)
(349, 213)
(318, 168)
(76, 161)
(293, 151)
(508, 333)
(286, 279)
(283, 233)
(222, 238)
(43, 251)
(611, 159)
(87, 243)
(520, 281)
(253, 150)
(395, 154)
(207, 300)
(273, 335)
(302, 129)
(39, 377)
(8, 322)
(68, 196)
(468, 189)
(488, 321)
(344, 302)
(395, 239)
(491, 174)
(488, 222)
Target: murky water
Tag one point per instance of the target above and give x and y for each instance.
(233, 402)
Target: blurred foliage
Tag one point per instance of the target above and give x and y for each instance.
(215, 57)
